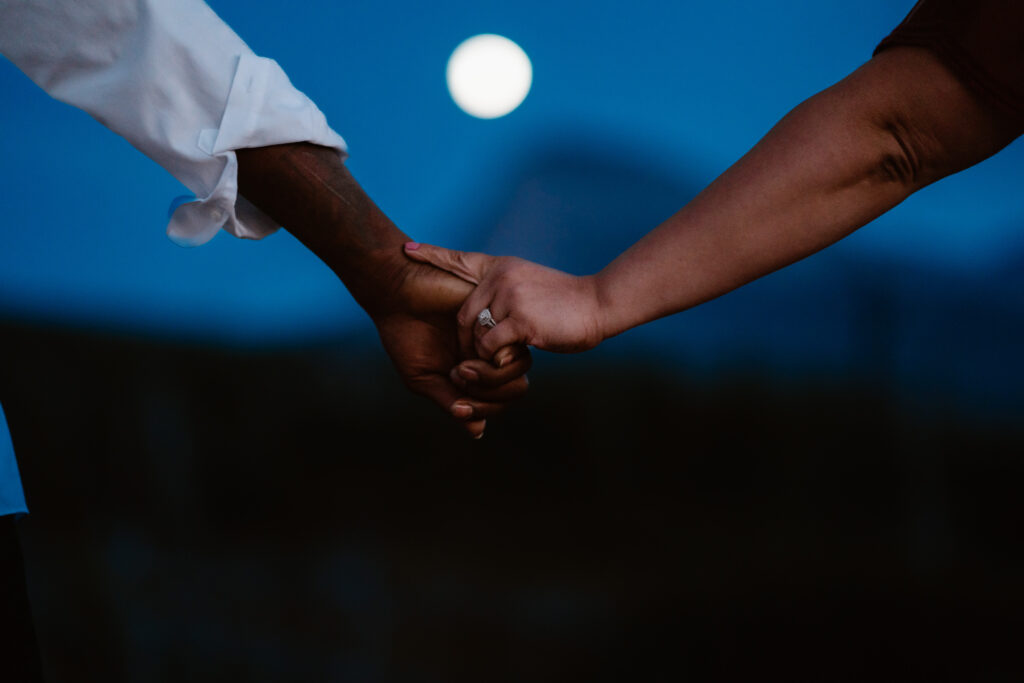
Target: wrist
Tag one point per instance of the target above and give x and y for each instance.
(604, 312)
(383, 280)
(374, 274)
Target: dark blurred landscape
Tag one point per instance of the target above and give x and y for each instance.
(816, 477)
(208, 514)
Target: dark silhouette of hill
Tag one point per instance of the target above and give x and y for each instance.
(574, 206)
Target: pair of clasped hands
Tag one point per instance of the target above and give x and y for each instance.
(425, 301)
(529, 304)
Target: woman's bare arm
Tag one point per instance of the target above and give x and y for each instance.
(834, 163)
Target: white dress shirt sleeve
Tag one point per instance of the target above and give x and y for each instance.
(175, 81)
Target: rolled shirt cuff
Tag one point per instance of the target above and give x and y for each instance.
(263, 108)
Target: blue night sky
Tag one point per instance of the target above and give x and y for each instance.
(683, 86)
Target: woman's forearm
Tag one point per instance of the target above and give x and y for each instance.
(834, 163)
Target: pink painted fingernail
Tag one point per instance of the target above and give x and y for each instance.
(412, 246)
(469, 374)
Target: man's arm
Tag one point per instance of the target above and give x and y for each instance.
(309, 190)
(178, 84)
(834, 163)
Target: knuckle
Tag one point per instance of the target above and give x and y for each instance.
(519, 290)
(414, 385)
(417, 383)
(508, 265)
(423, 386)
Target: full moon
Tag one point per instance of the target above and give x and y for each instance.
(489, 76)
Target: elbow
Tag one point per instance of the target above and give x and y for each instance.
(902, 155)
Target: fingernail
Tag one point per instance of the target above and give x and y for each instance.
(479, 436)
(504, 360)
(469, 374)
(412, 246)
(461, 410)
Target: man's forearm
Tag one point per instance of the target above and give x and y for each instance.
(833, 164)
(309, 191)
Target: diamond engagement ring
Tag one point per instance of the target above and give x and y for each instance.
(484, 318)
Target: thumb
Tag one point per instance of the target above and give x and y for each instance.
(465, 265)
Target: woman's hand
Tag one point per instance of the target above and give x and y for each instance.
(531, 304)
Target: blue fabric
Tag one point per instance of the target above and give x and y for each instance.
(12, 498)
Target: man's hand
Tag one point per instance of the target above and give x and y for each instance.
(417, 326)
(308, 190)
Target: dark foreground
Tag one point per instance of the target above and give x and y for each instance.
(214, 515)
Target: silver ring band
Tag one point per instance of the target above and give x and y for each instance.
(485, 318)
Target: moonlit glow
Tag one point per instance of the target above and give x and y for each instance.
(489, 76)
